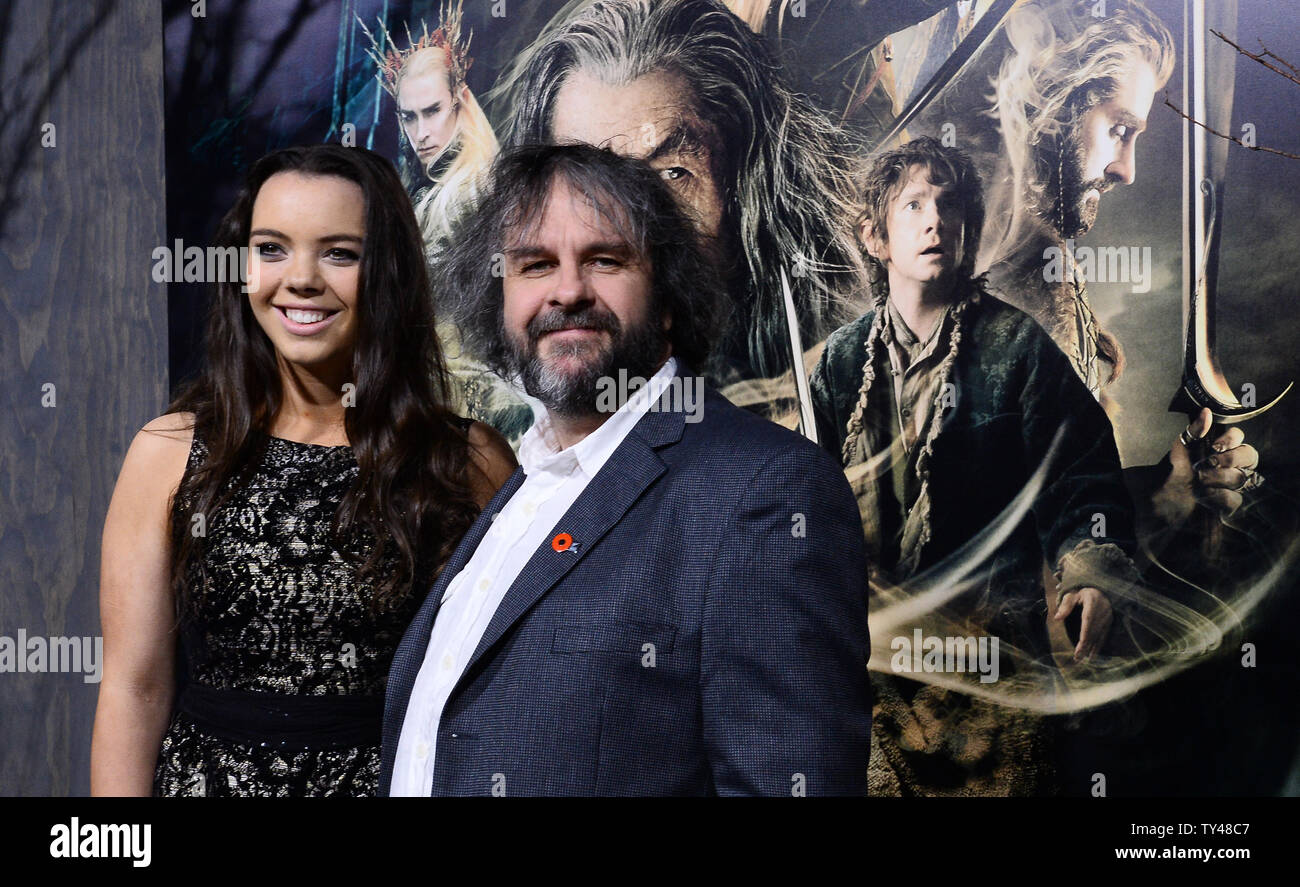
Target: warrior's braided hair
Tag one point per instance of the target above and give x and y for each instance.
(1064, 61)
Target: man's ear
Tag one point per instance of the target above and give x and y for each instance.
(870, 242)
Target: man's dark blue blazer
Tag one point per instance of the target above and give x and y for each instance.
(706, 634)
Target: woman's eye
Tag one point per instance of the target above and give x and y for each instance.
(342, 255)
(268, 250)
(913, 204)
(675, 173)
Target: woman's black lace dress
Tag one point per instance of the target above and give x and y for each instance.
(280, 614)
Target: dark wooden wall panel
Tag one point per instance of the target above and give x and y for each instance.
(78, 309)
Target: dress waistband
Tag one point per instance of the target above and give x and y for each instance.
(284, 721)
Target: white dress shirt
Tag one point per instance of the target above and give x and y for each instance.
(554, 480)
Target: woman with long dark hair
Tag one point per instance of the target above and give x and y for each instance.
(278, 527)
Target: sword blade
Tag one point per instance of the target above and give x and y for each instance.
(1204, 170)
(803, 394)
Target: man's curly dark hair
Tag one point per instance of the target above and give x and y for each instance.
(627, 194)
(946, 166)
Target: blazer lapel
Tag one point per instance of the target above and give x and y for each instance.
(410, 652)
(631, 469)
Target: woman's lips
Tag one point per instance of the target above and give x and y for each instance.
(305, 329)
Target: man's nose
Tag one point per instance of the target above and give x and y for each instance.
(933, 219)
(1123, 168)
(570, 284)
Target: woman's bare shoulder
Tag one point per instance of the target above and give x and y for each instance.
(492, 456)
(157, 456)
(176, 427)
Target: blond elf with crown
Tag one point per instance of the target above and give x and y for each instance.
(447, 147)
(447, 142)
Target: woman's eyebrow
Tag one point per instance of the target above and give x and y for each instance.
(328, 238)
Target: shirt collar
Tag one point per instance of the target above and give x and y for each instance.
(903, 334)
(539, 450)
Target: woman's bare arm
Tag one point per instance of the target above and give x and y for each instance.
(137, 612)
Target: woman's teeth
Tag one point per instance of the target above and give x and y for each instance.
(305, 316)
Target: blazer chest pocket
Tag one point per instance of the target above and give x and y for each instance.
(615, 638)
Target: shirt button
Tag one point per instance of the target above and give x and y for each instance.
(530, 508)
(446, 662)
(484, 584)
(422, 750)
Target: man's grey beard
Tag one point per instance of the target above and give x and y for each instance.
(638, 349)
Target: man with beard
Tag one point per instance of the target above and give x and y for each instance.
(686, 86)
(661, 601)
(1072, 97)
(1071, 104)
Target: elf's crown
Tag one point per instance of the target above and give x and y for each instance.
(389, 59)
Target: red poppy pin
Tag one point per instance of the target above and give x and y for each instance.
(562, 542)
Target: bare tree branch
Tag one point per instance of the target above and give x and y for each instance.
(1259, 57)
(1230, 138)
(1273, 55)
